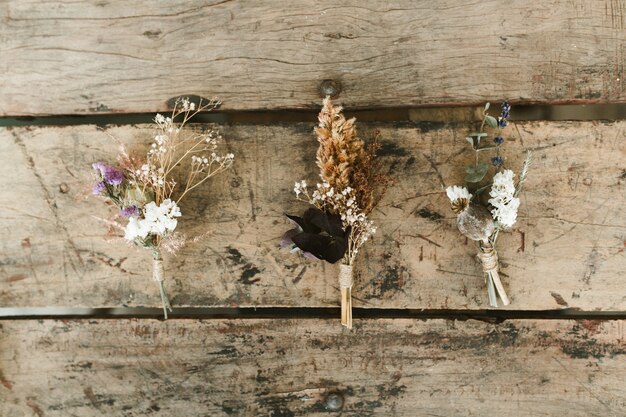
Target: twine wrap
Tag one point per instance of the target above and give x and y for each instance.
(345, 284)
(345, 276)
(157, 270)
(489, 260)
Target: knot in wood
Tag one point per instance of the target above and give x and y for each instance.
(334, 401)
(345, 276)
(330, 88)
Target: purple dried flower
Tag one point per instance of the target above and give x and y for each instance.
(506, 108)
(504, 115)
(110, 174)
(497, 161)
(130, 211)
(499, 140)
(113, 176)
(98, 188)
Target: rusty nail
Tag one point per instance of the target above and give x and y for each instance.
(334, 401)
(330, 88)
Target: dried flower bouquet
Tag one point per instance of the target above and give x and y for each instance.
(481, 223)
(337, 225)
(147, 190)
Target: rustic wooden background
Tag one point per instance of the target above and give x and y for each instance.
(565, 253)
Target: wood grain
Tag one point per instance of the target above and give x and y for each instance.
(69, 57)
(289, 368)
(567, 249)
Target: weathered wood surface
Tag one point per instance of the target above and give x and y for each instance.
(66, 57)
(289, 368)
(567, 248)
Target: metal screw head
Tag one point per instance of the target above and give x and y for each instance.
(330, 88)
(334, 401)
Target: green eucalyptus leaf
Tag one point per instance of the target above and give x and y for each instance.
(485, 148)
(487, 104)
(470, 140)
(477, 173)
(478, 134)
(491, 121)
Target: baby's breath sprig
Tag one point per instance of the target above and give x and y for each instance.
(481, 223)
(148, 190)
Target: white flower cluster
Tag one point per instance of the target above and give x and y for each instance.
(187, 105)
(159, 145)
(458, 193)
(212, 137)
(150, 173)
(504, 203)
(204, 161)
(164, 123)
(300, 188)
(157, 220)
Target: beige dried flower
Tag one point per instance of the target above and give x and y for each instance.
(345, 161)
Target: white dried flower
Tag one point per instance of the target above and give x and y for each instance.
(456, 193)
(157, 220)
(297, 188)
(504, 203)
(136, 228)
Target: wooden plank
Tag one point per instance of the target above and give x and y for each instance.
(290, 368)
(70, 57)
(567, 249)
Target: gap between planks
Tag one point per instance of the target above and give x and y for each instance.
(531, 112)
(303, 313)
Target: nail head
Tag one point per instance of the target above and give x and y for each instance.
(334, 401)
(330, 88)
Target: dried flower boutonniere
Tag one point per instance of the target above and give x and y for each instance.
(337, 225)
(483, 223)
(147, 190)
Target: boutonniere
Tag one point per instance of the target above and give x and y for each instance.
(338, 223)
(147, 189)
(480, 221)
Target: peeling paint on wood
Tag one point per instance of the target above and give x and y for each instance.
(289, 368)
(105, 56)
(569, 239)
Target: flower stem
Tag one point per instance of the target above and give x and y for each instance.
(157, 275)
(165, 302)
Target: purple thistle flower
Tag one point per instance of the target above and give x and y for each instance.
(502, 123)
(130, 211)
(98, 188)
(113, 176)
(499, 140)
(497, 161)
(110, 174)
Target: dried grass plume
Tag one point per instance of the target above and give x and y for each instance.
(345, 161)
